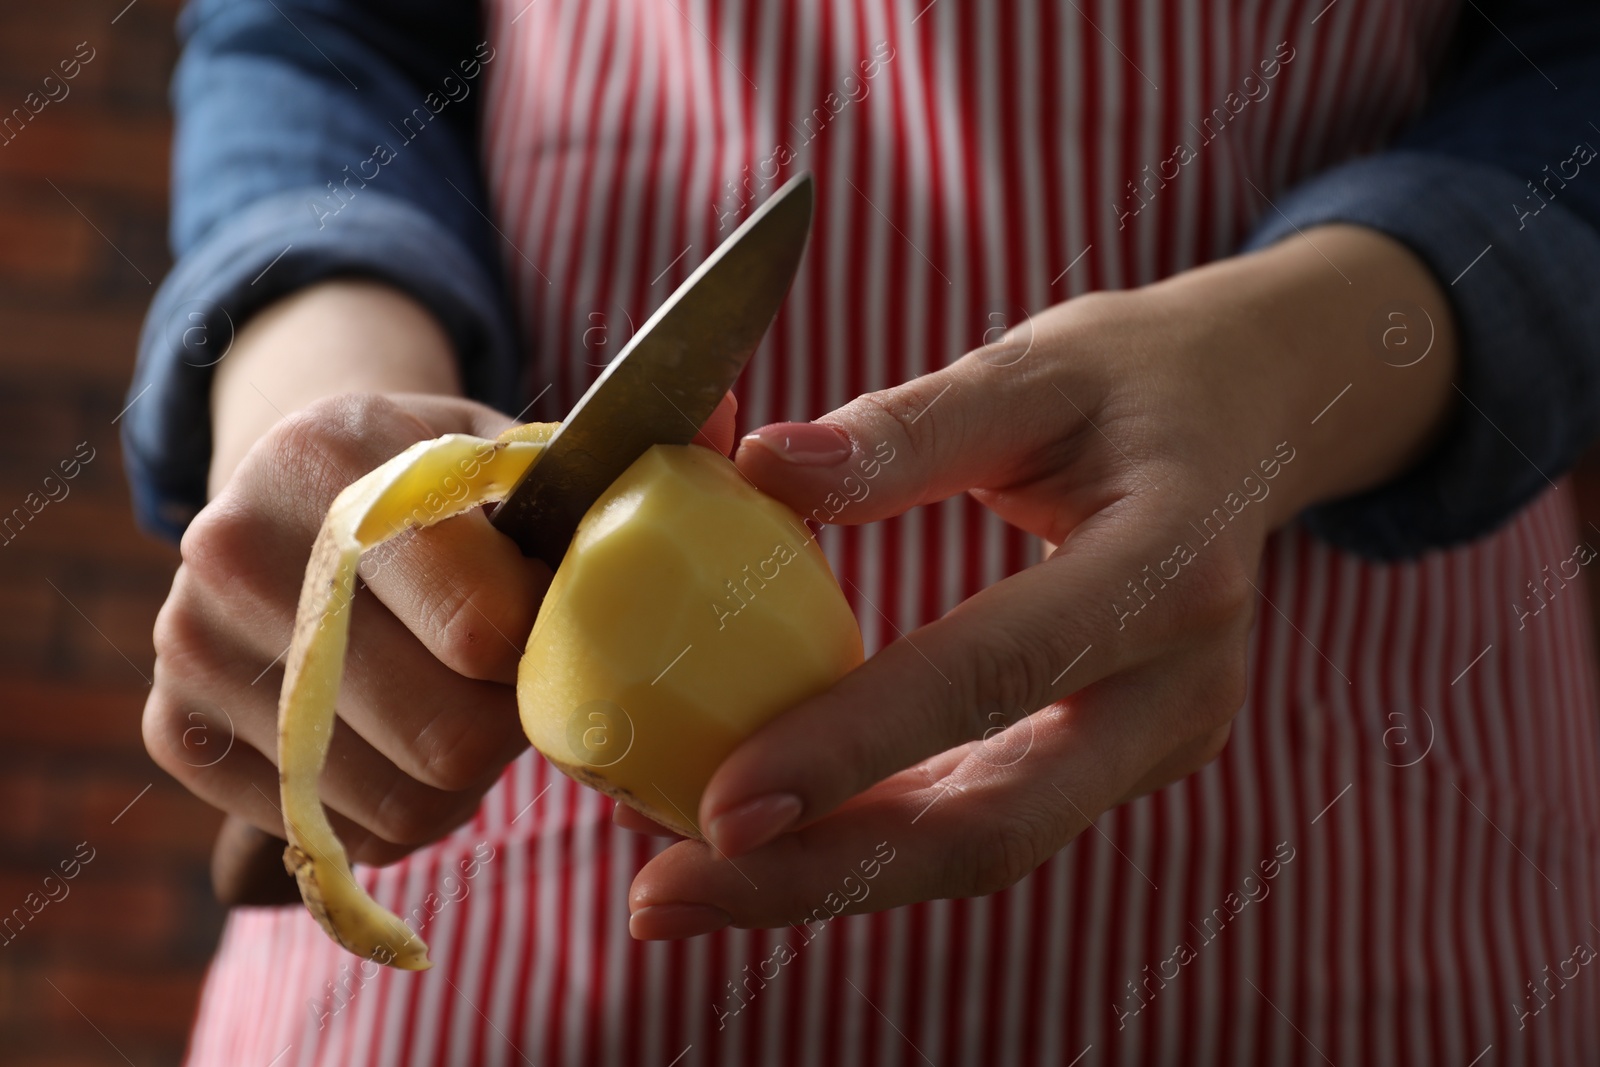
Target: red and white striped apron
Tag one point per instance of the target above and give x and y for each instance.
(1395, 859)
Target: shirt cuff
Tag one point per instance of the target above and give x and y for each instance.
(276, 247)
(1522, 287)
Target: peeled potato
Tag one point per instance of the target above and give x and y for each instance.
(689, 609)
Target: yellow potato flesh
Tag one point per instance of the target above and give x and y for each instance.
(689, 610)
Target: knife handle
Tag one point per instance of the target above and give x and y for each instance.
(247, 867)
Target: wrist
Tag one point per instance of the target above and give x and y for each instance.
(339, 336)
(1351, 356)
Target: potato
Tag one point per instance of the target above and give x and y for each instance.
(689, 609)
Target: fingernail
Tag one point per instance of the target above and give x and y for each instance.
(754, 823)
(672, 922)
(809, 444)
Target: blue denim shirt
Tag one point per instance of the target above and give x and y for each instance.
(267, 119)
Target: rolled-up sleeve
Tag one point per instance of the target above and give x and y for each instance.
(1521, 268)
(314, 139)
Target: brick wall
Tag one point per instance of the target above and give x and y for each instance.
(109, 973)
(112, 968)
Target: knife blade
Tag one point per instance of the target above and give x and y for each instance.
(668, 378)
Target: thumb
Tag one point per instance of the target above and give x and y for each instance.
(717, 433)
(971, 425)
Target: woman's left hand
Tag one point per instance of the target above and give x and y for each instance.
(1157, 436)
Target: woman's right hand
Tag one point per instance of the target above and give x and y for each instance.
(318, 390)
(428, 707)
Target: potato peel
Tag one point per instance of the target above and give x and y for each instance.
(427, 483)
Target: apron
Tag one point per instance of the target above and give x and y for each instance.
(1394, 860)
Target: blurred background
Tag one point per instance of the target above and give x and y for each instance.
(108, 971)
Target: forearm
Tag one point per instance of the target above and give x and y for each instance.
(275, 191)
(1332, 325)
(340, 336)
(1458, 190)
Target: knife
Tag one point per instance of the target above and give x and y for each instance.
(660, 389)
(668, 378)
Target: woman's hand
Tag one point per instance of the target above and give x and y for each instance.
(1157, 436)
(428, 705)
(318, 390)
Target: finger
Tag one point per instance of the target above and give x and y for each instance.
(426, 721)
(200, 695)
(969, 822)
(1025, 642)
(898, 849)
(463, 588)
(953, 827)
(717, 434)
(448, 732)
(628, 819)
(371, 797)
(970, 425)
(245, 784)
